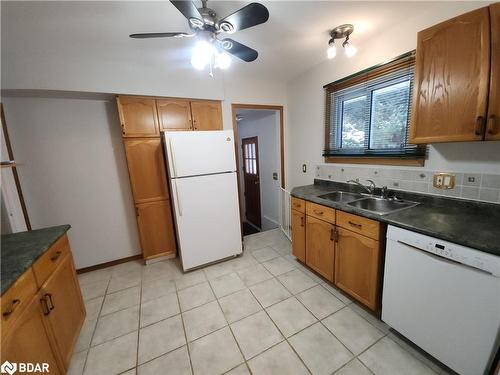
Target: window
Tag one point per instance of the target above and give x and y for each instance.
(367, 114)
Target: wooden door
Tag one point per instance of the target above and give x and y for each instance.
(138, 116)
(320, 246)
(207, 115)
(174, 114)
(146, 168)
(156, 229)
(493, 126)
(451, 80)
(28, 340)
(357, 267)
(251, 179)
(67, 311)
(299, 235)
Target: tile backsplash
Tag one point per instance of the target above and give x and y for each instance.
(476, 186)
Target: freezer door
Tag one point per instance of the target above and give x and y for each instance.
(201, 152)
(207, 218)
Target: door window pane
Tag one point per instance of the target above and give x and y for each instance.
(353, 122)
(389, 116)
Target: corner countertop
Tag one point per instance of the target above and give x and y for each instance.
(468, 223)
(20, 250)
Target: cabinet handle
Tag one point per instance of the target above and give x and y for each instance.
(479, 125)
(302, 221)
(123, 128)
(55, 256)
(45, 307)
(13, 305)
(352, 223)
(317, 212)
(491, 125)
(332, 234)
(49, 296)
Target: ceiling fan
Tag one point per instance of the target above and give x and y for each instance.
(208, 28)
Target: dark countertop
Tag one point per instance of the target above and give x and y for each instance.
(20, 250)
(468, 223)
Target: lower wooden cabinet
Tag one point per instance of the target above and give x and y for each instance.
(66, 310)
(156, 229)
(41, 322)
(299, 235)
(357, 267)
(320, 246)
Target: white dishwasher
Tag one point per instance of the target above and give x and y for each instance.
(443, 297)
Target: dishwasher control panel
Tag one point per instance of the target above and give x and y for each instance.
(458, 253)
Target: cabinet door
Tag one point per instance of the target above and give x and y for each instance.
(28, 339)
(156, 229)
(357, 267)
(174, 114)
(67, 311)
(493, 127)
(320, 246)
(299, 235)
(451, 80)
(138, 116)
(146, 168)
(207, 115)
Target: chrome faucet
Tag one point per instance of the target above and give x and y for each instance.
(369, 189)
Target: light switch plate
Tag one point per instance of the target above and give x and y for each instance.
(444, 181)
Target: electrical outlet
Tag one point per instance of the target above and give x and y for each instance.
(443, 181)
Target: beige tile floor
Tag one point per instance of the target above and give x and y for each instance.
(261, 313)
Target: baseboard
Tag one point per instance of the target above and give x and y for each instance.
(109, 264)
(159, 258)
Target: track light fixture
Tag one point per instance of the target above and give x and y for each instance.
(341, 32)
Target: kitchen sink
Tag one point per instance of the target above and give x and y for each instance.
(381, 206)
(341, 196)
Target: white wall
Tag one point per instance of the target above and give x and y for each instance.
(72, 170)
(306, 100)
(267, 131)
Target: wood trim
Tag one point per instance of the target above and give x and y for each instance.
(108, 264)
(375, 160)
(14, 170)
(235, 106)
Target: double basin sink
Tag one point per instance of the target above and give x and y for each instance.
(376, 205)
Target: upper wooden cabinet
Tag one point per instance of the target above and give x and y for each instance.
(207, 115)
(452, 79)
(146, 169)
(65, 303)
(138, 116)
(299, 235)
(493, 123)
(174, 114)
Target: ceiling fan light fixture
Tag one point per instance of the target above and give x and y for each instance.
(196, 22)
(226, 27)
(203, 53)
(350, 50)
(331, 52)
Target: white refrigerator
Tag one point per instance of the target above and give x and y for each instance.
(204, 194)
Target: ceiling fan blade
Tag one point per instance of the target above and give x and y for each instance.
(251, 15)
(239, 50)
(159, 35)
(188, 9)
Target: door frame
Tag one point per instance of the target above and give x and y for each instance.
(279, 108)
(259, 203)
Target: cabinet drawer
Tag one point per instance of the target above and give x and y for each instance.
(48, 262)
(17, 298)
(299, 204)
(320, 212)
(362, 225)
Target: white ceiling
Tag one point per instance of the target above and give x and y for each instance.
(292, 41)
(254, 114)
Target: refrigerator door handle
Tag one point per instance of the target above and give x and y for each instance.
(179, 208)
(172, 159)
